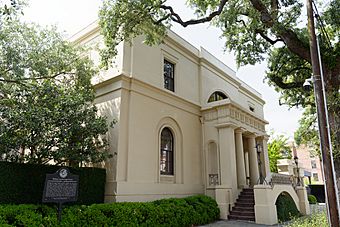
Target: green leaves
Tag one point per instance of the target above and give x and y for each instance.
(45, 108)
(277, 149)
(125, 19)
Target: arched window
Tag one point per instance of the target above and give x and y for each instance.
(217, 96)
(167, 152)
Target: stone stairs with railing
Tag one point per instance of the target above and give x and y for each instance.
(244, 206)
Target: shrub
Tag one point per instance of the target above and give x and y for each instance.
(194, 210)
(24, 183)
(312, 199)
(286, 208)
(315, 220)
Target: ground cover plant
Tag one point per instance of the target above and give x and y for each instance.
(315, 220)
(193, 210)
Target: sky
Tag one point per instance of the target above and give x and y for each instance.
(71, 16)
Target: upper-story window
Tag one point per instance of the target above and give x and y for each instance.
(217, 96)
(313, 164)
(169, 75)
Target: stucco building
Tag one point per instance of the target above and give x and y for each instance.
(185, 125)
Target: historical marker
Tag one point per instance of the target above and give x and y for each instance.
(60, 187)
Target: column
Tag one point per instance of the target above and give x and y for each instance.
(265, 163)
(241, 171)
(246, 161)
(227, 157)
(253, 164)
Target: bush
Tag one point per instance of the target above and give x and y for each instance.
(286, 208)
(312, 199)
(315, 220)
(24, 183)
(194, 210)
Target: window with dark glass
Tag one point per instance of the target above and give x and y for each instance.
(313, 164)
(217, 96)
(169, 75)
(167, 152)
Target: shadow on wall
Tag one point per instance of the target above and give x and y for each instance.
(286, 208)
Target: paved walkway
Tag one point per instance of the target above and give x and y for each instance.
(232, 223)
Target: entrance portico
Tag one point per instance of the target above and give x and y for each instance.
(237, 134)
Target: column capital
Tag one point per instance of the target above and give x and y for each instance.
(264, 137)
(226, 125)
(251, 135)
(240, 130)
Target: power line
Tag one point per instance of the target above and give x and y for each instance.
(321, 25)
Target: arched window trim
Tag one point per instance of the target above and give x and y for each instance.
(217, 96)
(167, 150)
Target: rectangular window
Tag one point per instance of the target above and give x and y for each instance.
(169, 75)
(313, 164)
(315, 177)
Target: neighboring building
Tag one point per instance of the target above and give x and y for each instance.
(185, 125)
(310, 163)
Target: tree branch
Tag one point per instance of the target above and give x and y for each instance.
(289, 37)
(279, 82)
(34, 78)
(272, 42)
(176, 18)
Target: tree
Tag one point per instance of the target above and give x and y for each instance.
(278, 149)
(46, 110)
(10, 8)
(253, 29)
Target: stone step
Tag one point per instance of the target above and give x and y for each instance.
(242, 213)
(246, 194)
(237, 217)
(248, 190)
(246, 199)
(247, 209)
(244, 204)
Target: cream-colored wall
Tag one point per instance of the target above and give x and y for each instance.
(108, 102)
(145, 110)
(145, 63)
(266, 196)
(197, 73)
(92, 41)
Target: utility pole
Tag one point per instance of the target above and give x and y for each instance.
(325, 145)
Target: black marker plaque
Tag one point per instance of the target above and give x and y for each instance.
(60, 187)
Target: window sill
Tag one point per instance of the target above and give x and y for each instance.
(167, 179)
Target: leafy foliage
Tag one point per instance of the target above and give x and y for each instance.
(22, 183)
(307, 132)
(286, 208)
(278, 149)
(194, 210)
(315, 220)
(46, 94)
(312, 199)
(10, 8)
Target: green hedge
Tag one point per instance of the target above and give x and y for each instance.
(286, 208)
(194, 210)
(312, 199)
(24, 183)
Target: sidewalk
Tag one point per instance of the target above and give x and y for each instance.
(234, 223)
